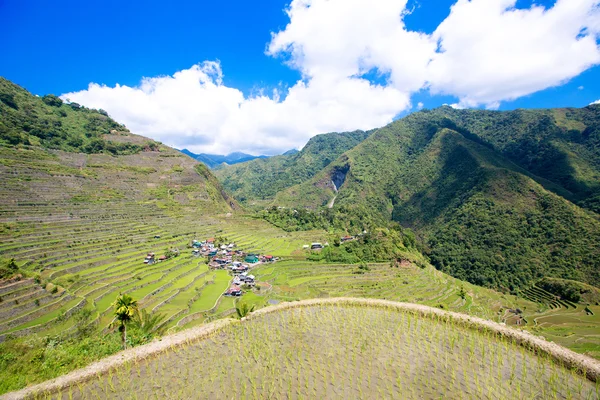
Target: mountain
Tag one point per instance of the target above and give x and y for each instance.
(498, 198)
(262, 179)
(71, 154)
(215, 160)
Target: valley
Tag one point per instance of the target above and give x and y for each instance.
(415, 212)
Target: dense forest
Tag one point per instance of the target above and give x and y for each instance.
(262, 179)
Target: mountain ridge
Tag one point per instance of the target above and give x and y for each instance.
(259, 180)
(447, 174)
(216, 160)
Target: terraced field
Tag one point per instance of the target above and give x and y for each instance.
(341, 348)
(567, 325)
(93, 261)
(80, 225)
(83, 223)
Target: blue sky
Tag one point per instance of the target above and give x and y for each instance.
(61, 47)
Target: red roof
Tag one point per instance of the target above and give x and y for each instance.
(210, 240)
(234, 289)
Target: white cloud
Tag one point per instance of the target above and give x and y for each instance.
(493, 52)
(194, 109)
(485, 52)
(595, 102)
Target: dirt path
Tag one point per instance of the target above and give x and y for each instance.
(583, 364)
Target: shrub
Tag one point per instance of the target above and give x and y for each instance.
(9, 100)
(52, 100)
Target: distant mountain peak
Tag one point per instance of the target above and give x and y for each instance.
(214, 160)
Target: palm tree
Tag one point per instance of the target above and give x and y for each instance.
(125, 309)
(243, 309)
(149, 323)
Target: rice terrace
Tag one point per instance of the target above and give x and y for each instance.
(340, 348)
(300, 199)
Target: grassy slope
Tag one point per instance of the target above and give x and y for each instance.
(261, 179)
(482, 216)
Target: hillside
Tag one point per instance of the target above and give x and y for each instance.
(78, 226)
(324, 348)
(50, 123)
(482, 211)
(214, 160)
(75, 227)
(262, 179)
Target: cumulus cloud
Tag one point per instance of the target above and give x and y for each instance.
(595, 102)
(483, 53)
(490, 51)
(194, 109)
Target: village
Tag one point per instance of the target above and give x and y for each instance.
(225, 257)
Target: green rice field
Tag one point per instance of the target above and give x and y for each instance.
(341, 351)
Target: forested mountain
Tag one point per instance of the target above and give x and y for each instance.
(262, 179)
(67, 154)
(50, 123)
(491, 194)
(214, 160)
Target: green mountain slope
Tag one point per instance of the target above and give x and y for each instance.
(261, 179)
(481, 215)
(561, 145)
(50, 123)
(61, 153)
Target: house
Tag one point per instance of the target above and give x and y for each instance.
(196, 252)
(268, 259)
(316, 246)
(251, 258)
(346, 239)
(234, 291)
(249, 279)
(213, 252)
(162, 258)
(210, 240)
(149, 259)
(156, 236)
(221, 261)
(196, 244)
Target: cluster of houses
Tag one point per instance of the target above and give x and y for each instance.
(207, 248)
(226, 256)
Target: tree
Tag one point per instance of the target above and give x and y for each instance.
(461, 292)
(243, 309)
(52, 100)
(9, 100)
(125, 309)
(12, 265)
(149, 323)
